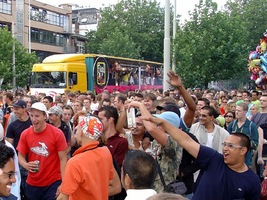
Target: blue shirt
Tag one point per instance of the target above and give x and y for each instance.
(219, 182)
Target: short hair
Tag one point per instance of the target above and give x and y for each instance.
(71, 94)
(122, 97)
(110, 111)
(244, 106)
(255, 91)
(247, 92)
(205, 100)
(166, 196)
(141, 168)
(68, 107)
(244, 140)
(80, 102)
(5, 155)
(87, 98)
(92, 96)
(150, 96)
(169, 100)
(211, 110)
(139, 95)
(49, 98)
(106, 100)
(10, 96)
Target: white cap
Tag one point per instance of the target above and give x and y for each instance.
(39, 106)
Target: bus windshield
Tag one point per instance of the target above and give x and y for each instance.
(48, 80)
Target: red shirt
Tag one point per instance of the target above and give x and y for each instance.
(44, 147)
(118, 147)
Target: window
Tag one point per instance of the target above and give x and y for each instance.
(80, 47)
(49, 79)
(5, 6)
(47, 37)
(45, 16)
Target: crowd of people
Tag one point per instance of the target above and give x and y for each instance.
(81, 145)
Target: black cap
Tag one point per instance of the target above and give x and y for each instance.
(20, 104)
(170, 107)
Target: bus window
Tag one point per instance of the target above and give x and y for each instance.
(72, 79)
(48, 79)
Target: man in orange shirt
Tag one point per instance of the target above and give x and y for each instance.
(89, 172)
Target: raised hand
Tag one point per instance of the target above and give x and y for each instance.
(174, 80)
(134, 104)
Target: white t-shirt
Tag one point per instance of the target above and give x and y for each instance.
(210, 139)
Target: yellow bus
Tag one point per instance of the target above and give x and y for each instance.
(94, 72)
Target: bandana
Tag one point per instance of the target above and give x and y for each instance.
(91, 126)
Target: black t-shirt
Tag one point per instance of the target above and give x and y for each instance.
(66, 130)
(15, 129)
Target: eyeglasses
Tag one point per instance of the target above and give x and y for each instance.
(239, 96)
(10, 174)
(228, 116)
(231, 145)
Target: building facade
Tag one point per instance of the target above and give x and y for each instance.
(40, 27)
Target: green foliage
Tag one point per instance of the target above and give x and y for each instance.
(118, 44)
(211, 46)
(23, 60)
(250, 15)
(132, 28)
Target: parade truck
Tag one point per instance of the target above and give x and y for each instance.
(93, 72)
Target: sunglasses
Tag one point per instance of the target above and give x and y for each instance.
(229, 116)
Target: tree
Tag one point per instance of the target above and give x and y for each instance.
(252, 14)
(118, 44)
(140, 22)
(211, 46)
(24, 60)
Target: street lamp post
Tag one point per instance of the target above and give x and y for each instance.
(29, 19)
(166, 45)
(174, 36)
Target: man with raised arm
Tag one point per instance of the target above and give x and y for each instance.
(225, 176)
(188, 118)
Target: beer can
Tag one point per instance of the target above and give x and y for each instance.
(37, 162)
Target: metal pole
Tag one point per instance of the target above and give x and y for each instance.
(29, 19)
(174, 36)
(13, 57)
(166, 45)
(139, 77)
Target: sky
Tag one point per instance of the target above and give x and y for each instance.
(182, 6)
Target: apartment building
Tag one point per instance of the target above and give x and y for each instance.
(40, 27)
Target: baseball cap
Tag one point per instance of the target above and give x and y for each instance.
(55, 110)
(170, 107)
(20, 104)
(170, 117)
(91, 126)
(39, 106)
